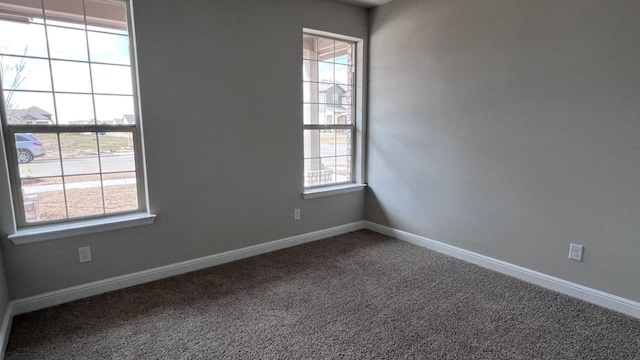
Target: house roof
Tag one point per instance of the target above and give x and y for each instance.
(322, 87)
(33, 112)
(125, 119)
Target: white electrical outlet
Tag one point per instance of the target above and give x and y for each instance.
(575, 252)
(84, 253)
(296, 214)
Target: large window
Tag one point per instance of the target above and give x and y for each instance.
(329, 82)
(69, 110)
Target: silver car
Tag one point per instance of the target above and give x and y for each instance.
(29, 147)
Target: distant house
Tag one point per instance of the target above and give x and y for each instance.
(340, 110)
(126, 120)
(32, 115)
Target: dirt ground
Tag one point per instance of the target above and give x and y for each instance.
(86, 202)
(50, 205)
(73, 145)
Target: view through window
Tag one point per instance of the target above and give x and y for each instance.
(328, 82)
(70, 119)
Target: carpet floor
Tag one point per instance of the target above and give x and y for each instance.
(358, 295)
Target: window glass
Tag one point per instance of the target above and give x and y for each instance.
(109, 48)
(114, 110)
(75, 109)
(68, 84)
(111, 79)
(79, 82)
(327, 75)
(120, 192)
(116, 152)
(28, 108)
(31, 42)
(23, 73)
(67, 44)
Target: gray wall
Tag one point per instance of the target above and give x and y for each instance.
(510, 128)
(4, 305)
(221, 100)
(4, 292)
(6, 222)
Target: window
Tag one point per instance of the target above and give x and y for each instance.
(331, 119)
(70, 110)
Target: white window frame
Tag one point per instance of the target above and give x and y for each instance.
(24, 232)
(358, 181)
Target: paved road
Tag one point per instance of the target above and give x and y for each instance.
(126, 162)
(79, 165)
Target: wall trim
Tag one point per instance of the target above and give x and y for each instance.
(581, 292)
(42, 301)
(37, 302)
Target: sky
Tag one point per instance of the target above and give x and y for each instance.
(71, 70)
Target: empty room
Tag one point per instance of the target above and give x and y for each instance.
(318, 179)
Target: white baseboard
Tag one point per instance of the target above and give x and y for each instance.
(58, 297)
(62, 296)
(581, 292)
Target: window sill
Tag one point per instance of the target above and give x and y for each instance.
(332, 190)
(59, 231)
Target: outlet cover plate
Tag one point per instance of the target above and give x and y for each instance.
(84, 254)
(575, 252)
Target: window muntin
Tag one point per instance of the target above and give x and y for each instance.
(328, 113)
(68, 88)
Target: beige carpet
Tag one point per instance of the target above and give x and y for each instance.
(359, 295)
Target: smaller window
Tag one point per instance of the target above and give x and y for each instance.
(330, 85)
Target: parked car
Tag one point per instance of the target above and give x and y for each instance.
(29, 147)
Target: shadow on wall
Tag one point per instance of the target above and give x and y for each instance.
(374, 210)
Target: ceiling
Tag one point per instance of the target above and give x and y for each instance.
(366, 3)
